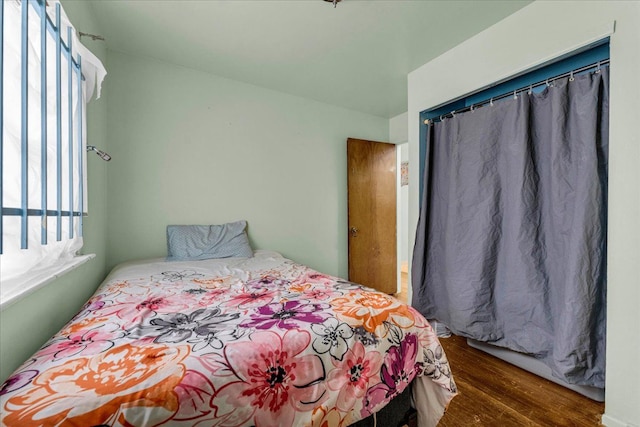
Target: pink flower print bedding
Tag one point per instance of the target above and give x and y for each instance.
(259, 342)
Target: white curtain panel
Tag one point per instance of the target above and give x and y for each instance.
(20, 267)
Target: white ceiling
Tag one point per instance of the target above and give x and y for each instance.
(356, 56)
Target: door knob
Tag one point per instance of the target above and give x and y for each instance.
(354, 231)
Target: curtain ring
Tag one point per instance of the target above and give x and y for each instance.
(453, 114)
(530, 89)
(515, 95)
(473, 108)
(598, 68)
(491, 102)
(571, 77)
(441, 118)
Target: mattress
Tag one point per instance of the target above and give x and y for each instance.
(259, 341)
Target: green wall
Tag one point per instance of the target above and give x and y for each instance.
(29, 322)
(192, 148)
(189, 147)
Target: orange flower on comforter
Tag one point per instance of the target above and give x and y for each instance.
(104, 389)
(373, 310)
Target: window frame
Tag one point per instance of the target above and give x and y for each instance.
(44, 23)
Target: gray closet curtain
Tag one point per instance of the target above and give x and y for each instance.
(510, 246)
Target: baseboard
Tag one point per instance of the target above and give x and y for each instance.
(610, 421)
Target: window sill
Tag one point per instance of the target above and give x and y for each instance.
(14, 290)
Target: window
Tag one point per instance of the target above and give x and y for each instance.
(47, 77)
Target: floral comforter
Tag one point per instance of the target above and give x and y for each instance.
(240, 342)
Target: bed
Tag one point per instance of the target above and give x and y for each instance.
(259, 341)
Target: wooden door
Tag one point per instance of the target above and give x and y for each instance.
(371, 180)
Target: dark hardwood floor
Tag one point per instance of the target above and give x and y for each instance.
(495, 393)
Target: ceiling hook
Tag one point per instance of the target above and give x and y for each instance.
(335, 2)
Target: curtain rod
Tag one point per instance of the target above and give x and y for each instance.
(514, 93)
(93, 37)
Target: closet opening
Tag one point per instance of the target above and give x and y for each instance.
(512, 227)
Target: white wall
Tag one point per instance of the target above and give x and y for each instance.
(193, 148)
(530, 37)
(403, 209)
(398, 132)
(398, 135)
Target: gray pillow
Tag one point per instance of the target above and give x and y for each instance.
(194, 242)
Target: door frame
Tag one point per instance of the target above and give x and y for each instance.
(402, 209)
